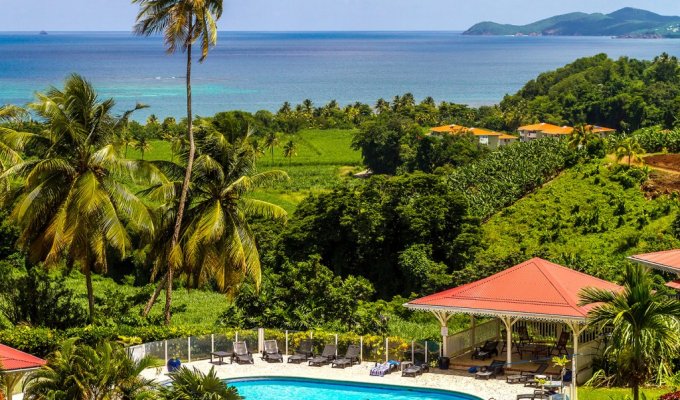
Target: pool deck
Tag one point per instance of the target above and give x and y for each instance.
(449, 380)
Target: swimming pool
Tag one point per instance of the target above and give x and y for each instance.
(316, 389)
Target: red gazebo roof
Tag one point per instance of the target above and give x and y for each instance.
(668, 261)
(674, 284)
(536, 289)
(15, 360)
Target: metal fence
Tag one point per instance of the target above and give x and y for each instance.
(372, 348)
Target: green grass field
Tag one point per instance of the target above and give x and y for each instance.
(323, 158)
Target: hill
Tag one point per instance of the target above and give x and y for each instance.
(626, 22)
(585, 219)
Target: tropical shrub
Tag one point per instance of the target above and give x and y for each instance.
(194, 384)
(78, 371)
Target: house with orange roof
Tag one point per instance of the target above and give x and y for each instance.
(542, 129)
(484, 137)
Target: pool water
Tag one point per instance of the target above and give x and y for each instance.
(312, 389)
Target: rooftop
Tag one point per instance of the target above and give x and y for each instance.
(668, 260)
(536, 289)
(15, 360)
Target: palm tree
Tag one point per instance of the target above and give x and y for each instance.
(182, 23)
(382, 106)
(645, 325)
(630, 148)
(271, 140)
(194, 384)
(77, 371)
(581, 137)
(70, 201)
(142, 144)
(216, 243)
(290, 150)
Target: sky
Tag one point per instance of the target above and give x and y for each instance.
(314, 15)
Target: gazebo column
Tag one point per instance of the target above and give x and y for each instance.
(443, 318)
(576, 328)
(509, 322)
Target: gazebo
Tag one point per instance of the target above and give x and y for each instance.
(15, 364)
(533, 290)
(665, 261)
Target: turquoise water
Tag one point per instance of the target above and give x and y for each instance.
(252, 71)
(309, 389)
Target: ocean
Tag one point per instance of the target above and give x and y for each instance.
(255, 70)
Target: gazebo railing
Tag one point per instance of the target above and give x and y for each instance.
(463, 341)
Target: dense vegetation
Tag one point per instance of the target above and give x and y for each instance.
(437, 212)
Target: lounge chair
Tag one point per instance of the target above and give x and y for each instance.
(524, 376)
(561, 345)
(303, 352)
(537, 394)
(489, 349)
(241, 354)
(271, 351)
(415, 369)
(326, 356)
(351, 357)
(495, 368)
(384, 368)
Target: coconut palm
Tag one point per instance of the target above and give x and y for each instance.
(194, 384)
(581, 136)
(216, 242)
(645, 325)
(141, 143)
(69, 202)
(182, 23)
(631, 149)
(77, 371)
(290, 150)
(382, 106)
(271, 140)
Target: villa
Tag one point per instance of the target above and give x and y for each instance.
(484, 137)
(543, 129)
(16, 364)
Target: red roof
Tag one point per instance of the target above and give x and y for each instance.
(668, 260)
(535, 289)
(674, 284)
(14, 360)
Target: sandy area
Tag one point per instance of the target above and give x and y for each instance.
(449, 380)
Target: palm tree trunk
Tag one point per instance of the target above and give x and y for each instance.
(154, 296)
(185, 184)
(636, 391)
(90, 291)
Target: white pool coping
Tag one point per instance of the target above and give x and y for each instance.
(457, 381)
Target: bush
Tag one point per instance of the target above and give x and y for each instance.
(38, 298)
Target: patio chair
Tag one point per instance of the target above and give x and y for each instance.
(326, 356)
(489, 349)
(414, 369)
(524, 376)
(524, 337)
(351, 357)
(495, 368)
(384, 368)
(303, 352)
(561, 345)
(271, 351)
(241, 354)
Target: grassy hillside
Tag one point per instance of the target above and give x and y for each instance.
(582, 219)
(324, 157)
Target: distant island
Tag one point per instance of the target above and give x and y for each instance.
(625, 23)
